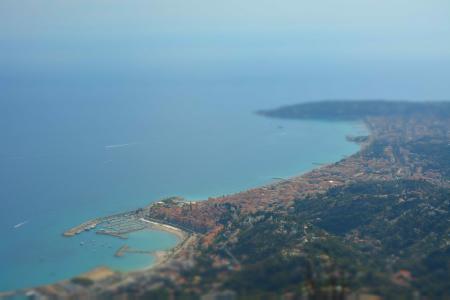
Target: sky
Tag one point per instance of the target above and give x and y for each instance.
(164, 39)
(401, 24)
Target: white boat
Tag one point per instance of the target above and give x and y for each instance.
(20, 224)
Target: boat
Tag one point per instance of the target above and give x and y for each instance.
(20, 224)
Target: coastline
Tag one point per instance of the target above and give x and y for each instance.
(162, 256)
(199, 224)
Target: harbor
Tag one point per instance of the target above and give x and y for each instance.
(118, 225)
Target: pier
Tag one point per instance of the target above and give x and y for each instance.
(121, 251)
(112, 233)
(82, 227)
(126, 249)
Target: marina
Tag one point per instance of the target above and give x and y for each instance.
(116, 225)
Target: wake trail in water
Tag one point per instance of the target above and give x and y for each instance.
(115, 146)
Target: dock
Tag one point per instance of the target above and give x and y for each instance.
(122, 224)
(116, 225)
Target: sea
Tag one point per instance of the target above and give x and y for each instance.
(108, 106)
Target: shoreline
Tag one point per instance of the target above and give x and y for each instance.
(162, 256)
(183, 236)
(203, 235)
(179, 233)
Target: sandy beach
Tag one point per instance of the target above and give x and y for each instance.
(180, 234)
(162, 256)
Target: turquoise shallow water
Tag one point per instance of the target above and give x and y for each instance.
(108, 106)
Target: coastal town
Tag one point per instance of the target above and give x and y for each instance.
(404, 156)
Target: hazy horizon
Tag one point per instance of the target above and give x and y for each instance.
(108, 105)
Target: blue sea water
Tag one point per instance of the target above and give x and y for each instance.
(108, 106)
(88, 158)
